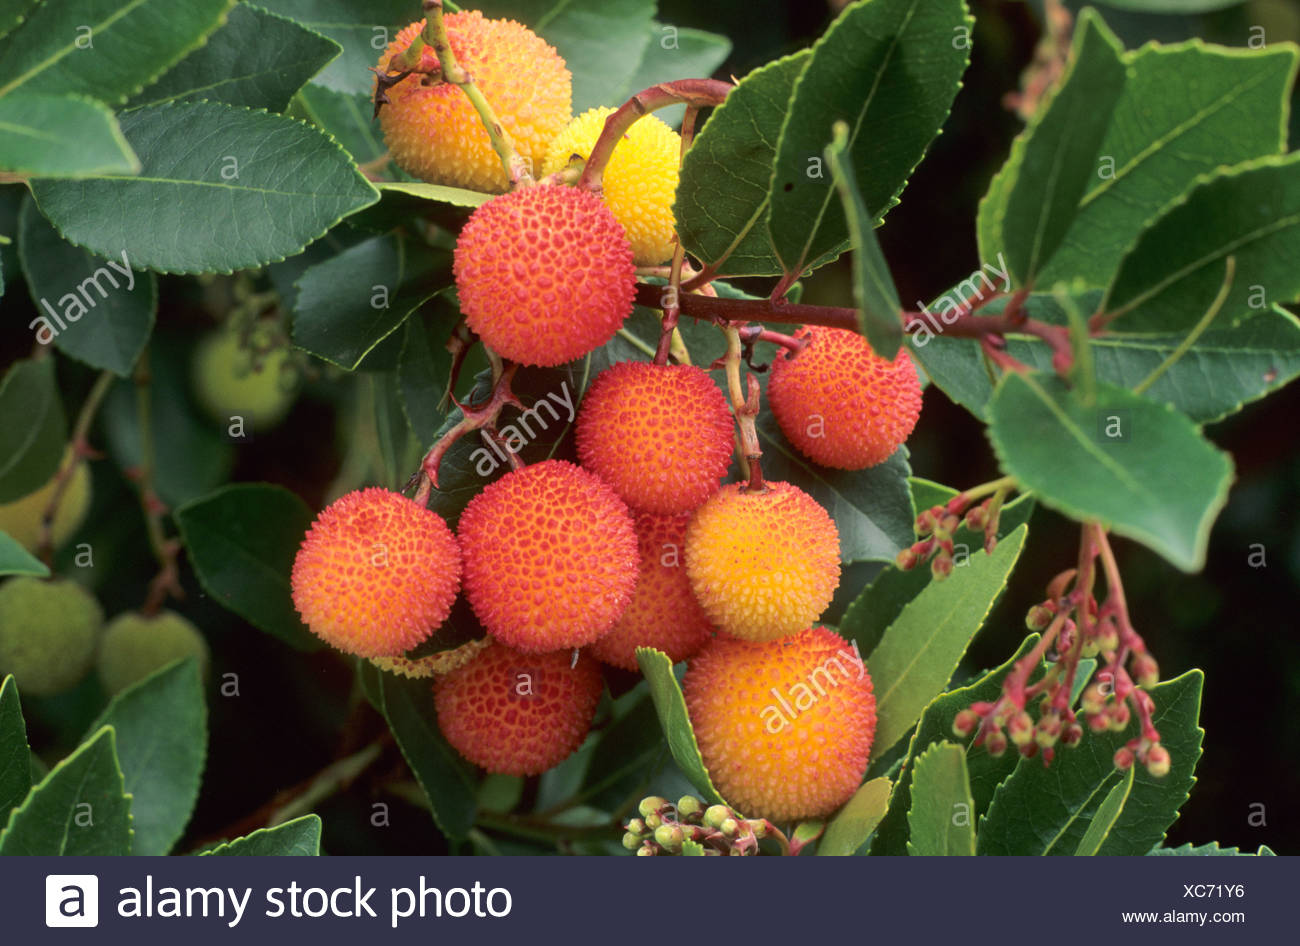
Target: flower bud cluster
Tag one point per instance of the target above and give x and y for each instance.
(663, 828)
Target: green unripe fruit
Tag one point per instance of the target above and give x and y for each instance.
(134, 646)
(22, 517)
(47, 633)
(231, 383)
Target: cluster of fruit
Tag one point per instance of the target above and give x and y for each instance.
(640, 545)
(52, 631)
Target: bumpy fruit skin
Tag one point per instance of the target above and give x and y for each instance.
(639, 182)
(47, 633)
(784, 727)
(661, 435)
(518, 714)
(376, 573)
(22, 517)
(229, 383)
(550, 557)
(134, 646)
(840, 403)
(545, 274)
(763, 565)
(433, 132)
(663, 613)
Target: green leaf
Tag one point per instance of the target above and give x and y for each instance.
(1139, 467)
(98, 311)
(1052, 161)
(722, 194)
(1169, 277)
(242, 541)
(692, 848)
(1154, 802)
(349, 304)
(364, 28)
(13, 12)
(676, 52)
(16, 560)
(15, 770)
(423, 370)
(853, 824)
(349, 117)
(1224, 370)
(626, 753)
(873, 287)
(1106, 816)
(441, 193)
(675, 720)
(890, 69)
(1206, 850)
(104, 49)
(602, 41)
(80, 808)
(32, 428)
(257, 59)
(871, 507)
(1049, 810)
(191, 454)
(1172, 7)
(162, 740)
(263, 186)
(984, 771)
(297, 838)
(941, 821)
(880, 603)
(61, 136)
(1186, 110)
(919, 652)
(447, 779)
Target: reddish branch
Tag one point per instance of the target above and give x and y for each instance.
(694, 93)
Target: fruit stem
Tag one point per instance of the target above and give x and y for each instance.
(669, 332)
(435, 34)
(80, 450)
(744, 403)
(167, 581)
(714, 309)
(483, 417)
(694, 93)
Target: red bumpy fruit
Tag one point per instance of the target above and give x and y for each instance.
(661, 435)
(545, 274)
(664, 613)
(515, 713)
(840, 403)
(376, 573)
(550, 557)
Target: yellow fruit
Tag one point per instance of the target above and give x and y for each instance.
(134, 646)
(233, 385)
(433, 132)
(785, 727)
(47, 633)
(763, 565)
(22, 517)
(639, 181)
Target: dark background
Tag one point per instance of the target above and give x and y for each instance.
(296, 714)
